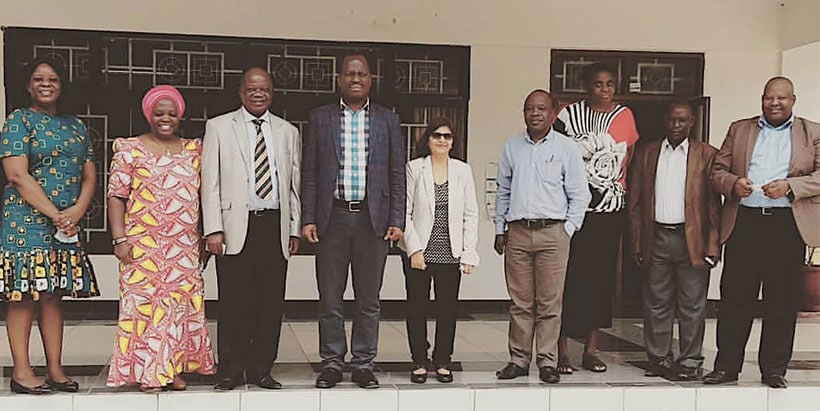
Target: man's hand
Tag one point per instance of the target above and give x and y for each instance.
(310, 233)
(417, 261)
(214, 243)
(776, 189)
(743, 187)
(393, 234)
(637, 258)
(293, 245)
(500, 243)
(467, 268)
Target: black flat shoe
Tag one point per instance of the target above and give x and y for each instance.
(229, 383)
(418, 378)
(65, 386)
(328, 378)
(774, 381)
(444, 377)
(18, 388)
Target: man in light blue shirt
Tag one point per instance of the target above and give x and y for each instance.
(543, 194)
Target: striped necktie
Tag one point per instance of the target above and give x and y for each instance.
(261, 164)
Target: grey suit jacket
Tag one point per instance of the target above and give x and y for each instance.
(226, 154)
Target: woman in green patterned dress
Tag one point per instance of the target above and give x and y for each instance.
(49, 164)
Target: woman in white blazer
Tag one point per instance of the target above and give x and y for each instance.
(439, 244)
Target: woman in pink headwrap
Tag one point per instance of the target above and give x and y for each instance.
(153, 197)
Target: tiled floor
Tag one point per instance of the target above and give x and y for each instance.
(480, 349)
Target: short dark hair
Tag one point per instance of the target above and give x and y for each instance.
(588, 72)
(423, 144)
(679, 103)
(356, 53)
(249, 68)
(553, 100)
(58, 68)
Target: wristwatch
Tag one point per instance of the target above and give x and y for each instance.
(790, 194)
(118, 241)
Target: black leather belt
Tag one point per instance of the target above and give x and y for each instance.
(672, 227)
(351, 206)
(537, 222)
(766, 211)
(261, 213)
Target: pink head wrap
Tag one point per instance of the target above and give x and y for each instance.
(159, 93)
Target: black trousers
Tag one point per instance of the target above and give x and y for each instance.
(349, 243)
(251, 295)
(446, 280)
(763, 249)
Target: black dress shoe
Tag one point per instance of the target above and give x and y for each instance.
(229, 383)
(418, 378)
(65, 386)
(549, 375)
(719, 377)
(18, 388)
(267, 382)
(658, 369)
(511, 371)
(364, 378)
(774, 381)
(328, 378)
(444, 377)
(684, 373)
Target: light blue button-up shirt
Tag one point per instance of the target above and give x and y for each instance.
(539, 180)
(770, 161)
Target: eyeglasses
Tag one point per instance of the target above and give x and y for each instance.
(446, 136)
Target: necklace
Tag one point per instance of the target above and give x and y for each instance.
(164, 146)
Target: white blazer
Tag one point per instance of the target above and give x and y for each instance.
(421, 209)
(225, 156)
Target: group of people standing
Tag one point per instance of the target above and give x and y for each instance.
(251, 188)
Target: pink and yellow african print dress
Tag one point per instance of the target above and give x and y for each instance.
(161, 330)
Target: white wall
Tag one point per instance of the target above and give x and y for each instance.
(802, 65)
(510, 43)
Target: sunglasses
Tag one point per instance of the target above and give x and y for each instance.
(446, 136)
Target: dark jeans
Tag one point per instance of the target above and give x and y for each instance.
(446, 280)
(763, 249)
(349, 242)
(251, 294)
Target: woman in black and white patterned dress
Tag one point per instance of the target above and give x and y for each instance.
(439, 243)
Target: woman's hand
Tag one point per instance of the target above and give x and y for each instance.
(417, 261)
(69, 218)
(467, 268)
(123, 252)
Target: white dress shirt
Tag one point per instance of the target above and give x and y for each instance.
(670, 183)
(254, 202)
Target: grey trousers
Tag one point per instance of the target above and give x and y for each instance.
(349, 243)
(672, 286)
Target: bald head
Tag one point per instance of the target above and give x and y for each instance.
(778, 100)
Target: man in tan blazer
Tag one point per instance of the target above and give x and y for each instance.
(251, 216)
(768, 171)
(673, 219)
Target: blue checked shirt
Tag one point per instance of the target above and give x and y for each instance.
(352, 178)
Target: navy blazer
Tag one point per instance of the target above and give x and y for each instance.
(322, 156)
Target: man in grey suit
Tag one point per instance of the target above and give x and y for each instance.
(353, 189)
(250, 213)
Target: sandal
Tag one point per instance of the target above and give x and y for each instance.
(593, 363)
(564, 366)
(147, 389)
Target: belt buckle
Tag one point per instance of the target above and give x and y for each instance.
(354, 206)
(766, 211)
